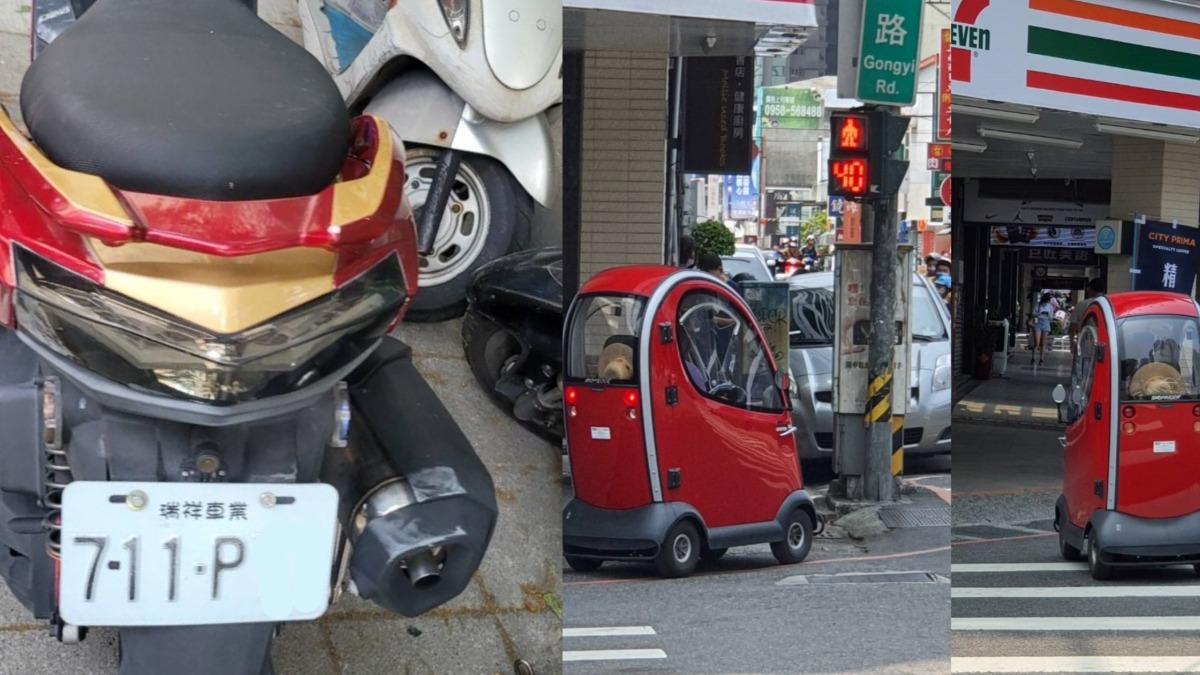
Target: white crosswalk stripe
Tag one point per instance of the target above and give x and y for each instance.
(1097, 612)
(1075, 664)
(615, 654)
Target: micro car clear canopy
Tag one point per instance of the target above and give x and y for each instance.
(1160, 359)
(604, 336)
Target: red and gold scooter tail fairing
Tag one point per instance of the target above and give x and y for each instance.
(221, 266)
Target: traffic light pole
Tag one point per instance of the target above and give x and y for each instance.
(878, 483)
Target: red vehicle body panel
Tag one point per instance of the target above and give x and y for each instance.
(610, 473)
(1159, 485)
(1148, 484)
(734, 466)
(36, 216)
(1086, 456)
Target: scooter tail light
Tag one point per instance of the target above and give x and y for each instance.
(1128, 412)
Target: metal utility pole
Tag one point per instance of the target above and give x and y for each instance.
(878, 63)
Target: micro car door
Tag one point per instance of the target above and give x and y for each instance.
(724, 440)
(604, 426)
(1085, 461)
(1158, 473)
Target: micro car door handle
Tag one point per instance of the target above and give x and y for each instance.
(786, 430)
(1099, 411)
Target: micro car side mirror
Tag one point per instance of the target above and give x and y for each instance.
(783, 382)
(1060, 396)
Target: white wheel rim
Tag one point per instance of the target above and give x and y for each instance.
(795, 535)
(682, 548)
(465, 223)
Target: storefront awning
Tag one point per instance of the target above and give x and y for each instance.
(772, 12)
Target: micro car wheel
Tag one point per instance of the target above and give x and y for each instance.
(1100, 571)
(712, 554)
(584, 564)
(797, 539)
(1065, 549)
(680, 551)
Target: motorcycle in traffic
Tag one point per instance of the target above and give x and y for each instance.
(208, 429)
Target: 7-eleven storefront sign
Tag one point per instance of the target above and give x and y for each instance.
(1126, 59)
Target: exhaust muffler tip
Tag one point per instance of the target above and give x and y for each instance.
(423, 570)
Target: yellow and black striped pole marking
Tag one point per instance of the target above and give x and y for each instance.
(879, 399)
(897, 445)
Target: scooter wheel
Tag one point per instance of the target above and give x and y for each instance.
(584, 564)
(1100, 571)
(680, 551)
(712, 554)
(797, 539)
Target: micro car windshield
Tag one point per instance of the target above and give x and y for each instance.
(1160, 358)
(604, 339)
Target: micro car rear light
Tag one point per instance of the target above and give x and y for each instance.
(1128, 412)
(631, 398)
(1129, 427)
(571, 396)
(1196, 410)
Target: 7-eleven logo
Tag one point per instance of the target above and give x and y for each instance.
(966, 39)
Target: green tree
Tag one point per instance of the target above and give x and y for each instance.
(712, 236)
(815, 225)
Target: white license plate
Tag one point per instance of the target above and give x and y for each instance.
(195, 553)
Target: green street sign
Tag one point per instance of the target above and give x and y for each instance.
(889, 51)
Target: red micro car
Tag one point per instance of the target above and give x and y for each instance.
(1131, 479)
(678, 426)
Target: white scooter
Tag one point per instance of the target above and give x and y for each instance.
(465, 86)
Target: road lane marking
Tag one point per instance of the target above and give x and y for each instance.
(806, 563)
(613, 654)
(997, 540)
(1074, 664)
(608, 631)
(972, 568)
(1077, 623)
(1175, 591)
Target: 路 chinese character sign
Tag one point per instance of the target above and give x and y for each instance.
(1164, 257)
(889, 51)
(718, 114)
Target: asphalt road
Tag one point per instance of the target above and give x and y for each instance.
(1035, 612)
(843, 610)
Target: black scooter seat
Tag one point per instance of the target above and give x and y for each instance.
(186, 98)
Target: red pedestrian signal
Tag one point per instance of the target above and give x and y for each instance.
(863, 146)
(848, 177)
(851, 133)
